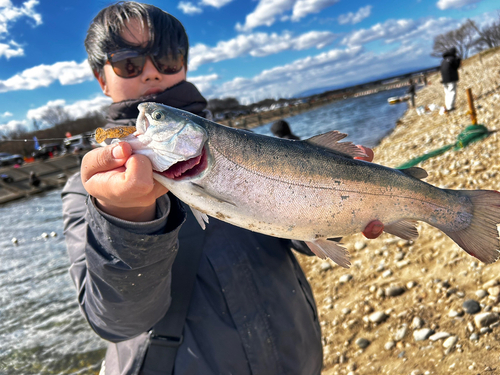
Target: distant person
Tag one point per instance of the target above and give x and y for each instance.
(449, 74)
(34, 180)
(281, 129)
(411, 92)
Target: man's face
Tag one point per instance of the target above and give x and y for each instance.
(150, 81)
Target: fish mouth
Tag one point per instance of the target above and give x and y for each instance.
(187, 168)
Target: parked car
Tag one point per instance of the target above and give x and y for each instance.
(46, 151)
(79, 143)
(7, 159)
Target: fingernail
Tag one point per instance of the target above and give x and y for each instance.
(118, 152)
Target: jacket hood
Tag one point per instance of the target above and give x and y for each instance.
(450, 52)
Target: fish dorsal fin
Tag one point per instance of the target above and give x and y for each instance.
(201, 218)
(415, 172)
(330, 141)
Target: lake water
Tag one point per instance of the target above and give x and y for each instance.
(41, 328)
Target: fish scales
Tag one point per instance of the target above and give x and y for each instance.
(305, 190)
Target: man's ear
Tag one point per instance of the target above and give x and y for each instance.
(102, 82)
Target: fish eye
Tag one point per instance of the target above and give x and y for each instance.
(158, 115)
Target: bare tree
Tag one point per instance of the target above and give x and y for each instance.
(463, 39)
(489, 36)
(54, 115)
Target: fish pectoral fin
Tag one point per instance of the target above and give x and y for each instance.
(205, 192)
(415, 172)
(406, 229)
(330, 141)
(201, 218)
(324, 248)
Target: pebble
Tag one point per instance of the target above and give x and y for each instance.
(490, 284)
(377, 317)
(422, 334)
(455, 313)
(45, 235)
(389, 345)
(481, 293)
(474, 337)
(387, 273)
(450, 342)
(401, 333)
(439, 336)
(325, 266)
(360, 245)
(345, 278)
(417, 323)
(362, 342)
(471, 307)
(485, 319)
(53, 234)
(393, 291)
(14, 240)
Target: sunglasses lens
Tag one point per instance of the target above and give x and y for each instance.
(130, 63)
(167, 64)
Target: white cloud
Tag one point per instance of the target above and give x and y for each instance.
(189, 8)
(74, 110)
(447, 4)
(6, 114)
(257, 44)
(265, 13)
(400, 30)
(304, 7)
(11, 49)
(66, 72)
(9, 14)
(204, 83)
(215, 3)
(354, 18)
(13, 126)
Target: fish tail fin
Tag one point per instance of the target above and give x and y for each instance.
(324, 248)
(480, 239)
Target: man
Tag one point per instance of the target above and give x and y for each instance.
(449, 75)
(251, 311)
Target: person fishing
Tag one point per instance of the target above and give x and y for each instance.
(166, 295)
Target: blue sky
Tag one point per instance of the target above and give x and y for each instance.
(250, 50)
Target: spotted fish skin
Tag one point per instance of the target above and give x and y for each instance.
(313, 190)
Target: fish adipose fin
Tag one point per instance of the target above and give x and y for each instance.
(324, 248)
(415, 172)
(406, 229)
(330, 141)
(480, 238)
(201, 218)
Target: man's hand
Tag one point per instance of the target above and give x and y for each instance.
(375, 227)
(122, 183)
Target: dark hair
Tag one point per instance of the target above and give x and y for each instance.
(166, 33)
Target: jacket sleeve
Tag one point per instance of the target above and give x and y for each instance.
(121, 270)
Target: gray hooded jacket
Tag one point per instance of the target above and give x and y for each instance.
(252, 309)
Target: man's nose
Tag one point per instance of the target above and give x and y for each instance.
(149, 71)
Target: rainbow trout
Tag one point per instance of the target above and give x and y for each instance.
(308, 190)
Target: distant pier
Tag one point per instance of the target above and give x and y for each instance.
(53, 173)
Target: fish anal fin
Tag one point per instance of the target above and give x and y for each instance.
(406, 229)
(330, 141)
(324, 248)
(415, 172)
(200, 217)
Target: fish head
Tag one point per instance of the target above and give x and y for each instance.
(171, 140)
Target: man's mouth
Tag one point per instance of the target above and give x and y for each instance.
(187, 168)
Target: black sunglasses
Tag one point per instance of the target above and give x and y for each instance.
(129, 63)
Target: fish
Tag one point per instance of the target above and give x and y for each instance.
(309, 190)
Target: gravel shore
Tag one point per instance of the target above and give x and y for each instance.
(423, 307)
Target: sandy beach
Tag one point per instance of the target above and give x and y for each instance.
(422, 307)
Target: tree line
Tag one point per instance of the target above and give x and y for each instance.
(468, 38)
